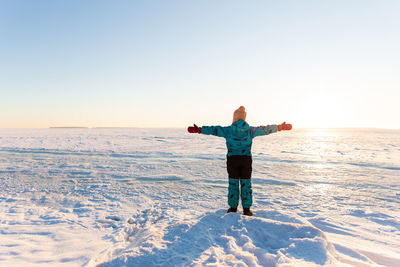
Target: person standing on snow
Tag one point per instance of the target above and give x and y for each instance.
(239, 138)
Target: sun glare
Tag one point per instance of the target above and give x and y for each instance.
(321, 111)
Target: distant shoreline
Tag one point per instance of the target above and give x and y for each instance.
(132, 127)
(68, 127)
(79, 127)
(84, 127)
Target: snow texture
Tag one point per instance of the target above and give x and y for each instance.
(157, 197)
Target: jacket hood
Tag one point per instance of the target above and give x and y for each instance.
(240, 126)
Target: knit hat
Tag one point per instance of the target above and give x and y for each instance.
(239, 114)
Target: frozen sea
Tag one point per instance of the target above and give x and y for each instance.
(157, 197)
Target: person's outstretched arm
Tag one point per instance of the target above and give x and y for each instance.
(264, 130)
(209, 130)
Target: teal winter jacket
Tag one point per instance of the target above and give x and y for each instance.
(239, 136)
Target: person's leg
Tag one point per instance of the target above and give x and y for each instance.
(246, 193)
(233, 193)
(233, 188)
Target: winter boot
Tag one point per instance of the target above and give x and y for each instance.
(247, 212)
(232, 210)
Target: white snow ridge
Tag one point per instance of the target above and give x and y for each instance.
(216, 239)
(158, 197)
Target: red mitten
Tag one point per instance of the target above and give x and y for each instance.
(194, 129)
(284, 127)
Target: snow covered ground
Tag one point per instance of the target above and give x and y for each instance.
(157, 197)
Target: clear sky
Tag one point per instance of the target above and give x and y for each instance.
(171, 63)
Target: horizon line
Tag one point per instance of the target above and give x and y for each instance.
(179, 127)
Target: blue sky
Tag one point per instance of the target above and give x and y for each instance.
(172, 63)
